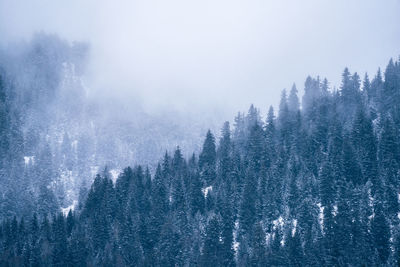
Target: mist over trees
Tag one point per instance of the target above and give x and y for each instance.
(313, 184)
(57, 133)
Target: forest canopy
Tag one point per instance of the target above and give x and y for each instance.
(314, 184)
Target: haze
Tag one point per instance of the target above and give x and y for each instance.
(212, 55)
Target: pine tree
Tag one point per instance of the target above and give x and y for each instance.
(224, 154)
(364, 142)
(227, 228)
(77, 249)
(47, 201)
(255, 149)
(207, 159)
(70, 222)
(159, 201)
(258, 246)
(311, 95)
(196, 195)
(381, 234)
(212, 245)
(60, 241)
(131, 250)
(247, 213)
(388, 166)
(283, 114)
(277, 255)
(390, 95)
(294, 248)
(293, 100)
(170, 246)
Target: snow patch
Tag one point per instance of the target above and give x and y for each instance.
(114, 174)
(294, 227)
(236, 246)
(321, 215)
(29, 160)
(268, 238)
(206, 190)
(335, 210)
(235, 242)
(371, 198)
(278, 222)
(71, 207)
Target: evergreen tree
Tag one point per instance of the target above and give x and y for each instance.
(170, 246)
(293, 100)
(258, 246)
(212, 245)
(224, 154)
(381, 234)
(207, 159)
(388, 166)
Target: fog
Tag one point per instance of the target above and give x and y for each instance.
(214, 56)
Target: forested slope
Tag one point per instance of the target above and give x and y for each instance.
(316, 185)
(57, 132)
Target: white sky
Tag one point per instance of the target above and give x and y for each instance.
(213, 54)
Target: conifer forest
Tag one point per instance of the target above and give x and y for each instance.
(311, 181)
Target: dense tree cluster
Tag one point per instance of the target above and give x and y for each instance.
(29, 164)
(313, 186)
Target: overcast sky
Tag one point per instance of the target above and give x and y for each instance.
(213, 54)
